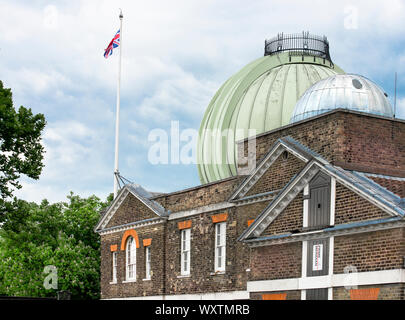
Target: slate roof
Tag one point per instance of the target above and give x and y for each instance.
(139, 192)
(145, 196)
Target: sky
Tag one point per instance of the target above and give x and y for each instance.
(175, 56)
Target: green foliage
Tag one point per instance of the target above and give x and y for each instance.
(61, 234)
(21, 151)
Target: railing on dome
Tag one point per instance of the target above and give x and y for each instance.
(298, 44)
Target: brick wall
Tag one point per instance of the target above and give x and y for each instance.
(276, 262)
(202, 278)
(374, 144)
(395, 186)
(249, 212)
(202, 253)
(371, 251)
(131, 210)
(199, 196)
(351, 140)
(278, 175)
(386, 292)
(345, 138)
(155, 286)
(289, 220)
(351, 207)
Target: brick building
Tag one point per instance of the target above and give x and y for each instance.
(319, 216)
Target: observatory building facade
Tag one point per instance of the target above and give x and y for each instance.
(319, 216)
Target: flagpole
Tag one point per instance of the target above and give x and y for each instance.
(117, 118)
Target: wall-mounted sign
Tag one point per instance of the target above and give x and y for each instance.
(317, 252)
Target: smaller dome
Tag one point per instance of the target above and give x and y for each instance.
(346, 91)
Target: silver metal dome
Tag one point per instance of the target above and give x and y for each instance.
(346, 91)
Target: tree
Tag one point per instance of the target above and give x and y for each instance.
(62, 235)
(21, 151)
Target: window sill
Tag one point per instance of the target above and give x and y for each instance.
(128, 281)
(184, 276)
(146, 279)
(216, 273)
(113, 282)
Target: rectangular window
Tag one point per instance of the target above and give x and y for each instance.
(220, 246)
(114, 266)
(185, 252)
(147, 259)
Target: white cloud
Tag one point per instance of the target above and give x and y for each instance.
(400, 108)
(176, 54)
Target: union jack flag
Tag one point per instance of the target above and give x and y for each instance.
(115, 42)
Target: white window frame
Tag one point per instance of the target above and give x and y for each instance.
(220, 247)
(130, 254)
(147, 263)
(114, 266)
(185, 252)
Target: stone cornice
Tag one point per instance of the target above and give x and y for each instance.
(111, 211)
(325, 233)
(256, 198)
(278, 148)
(137, 224)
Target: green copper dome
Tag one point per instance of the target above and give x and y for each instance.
(260, 97)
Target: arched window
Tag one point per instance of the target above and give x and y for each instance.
(131, 259)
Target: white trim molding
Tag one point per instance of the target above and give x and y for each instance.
(199, 210)
(133, 225)
(329, 281)
(305, 206)
(332, 200)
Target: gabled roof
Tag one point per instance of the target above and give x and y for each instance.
(141, 194)
(358, 183)
(376, 193)
(393, 184)
(283, 144)
(341, 229)
(285, 196)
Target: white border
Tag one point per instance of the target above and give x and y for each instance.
(332, 200)
(329, 281)
(306, 206)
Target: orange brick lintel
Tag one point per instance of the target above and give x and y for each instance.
(364, 294)
(127, 234)
(114, 247)
(274, 296)
(147, 242)
(220, 217)
(184, 224)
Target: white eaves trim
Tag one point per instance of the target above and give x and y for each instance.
(361, 193)
(117, 203)
(112, 209)
(203, 209)
(296, 185)
(330, 281)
